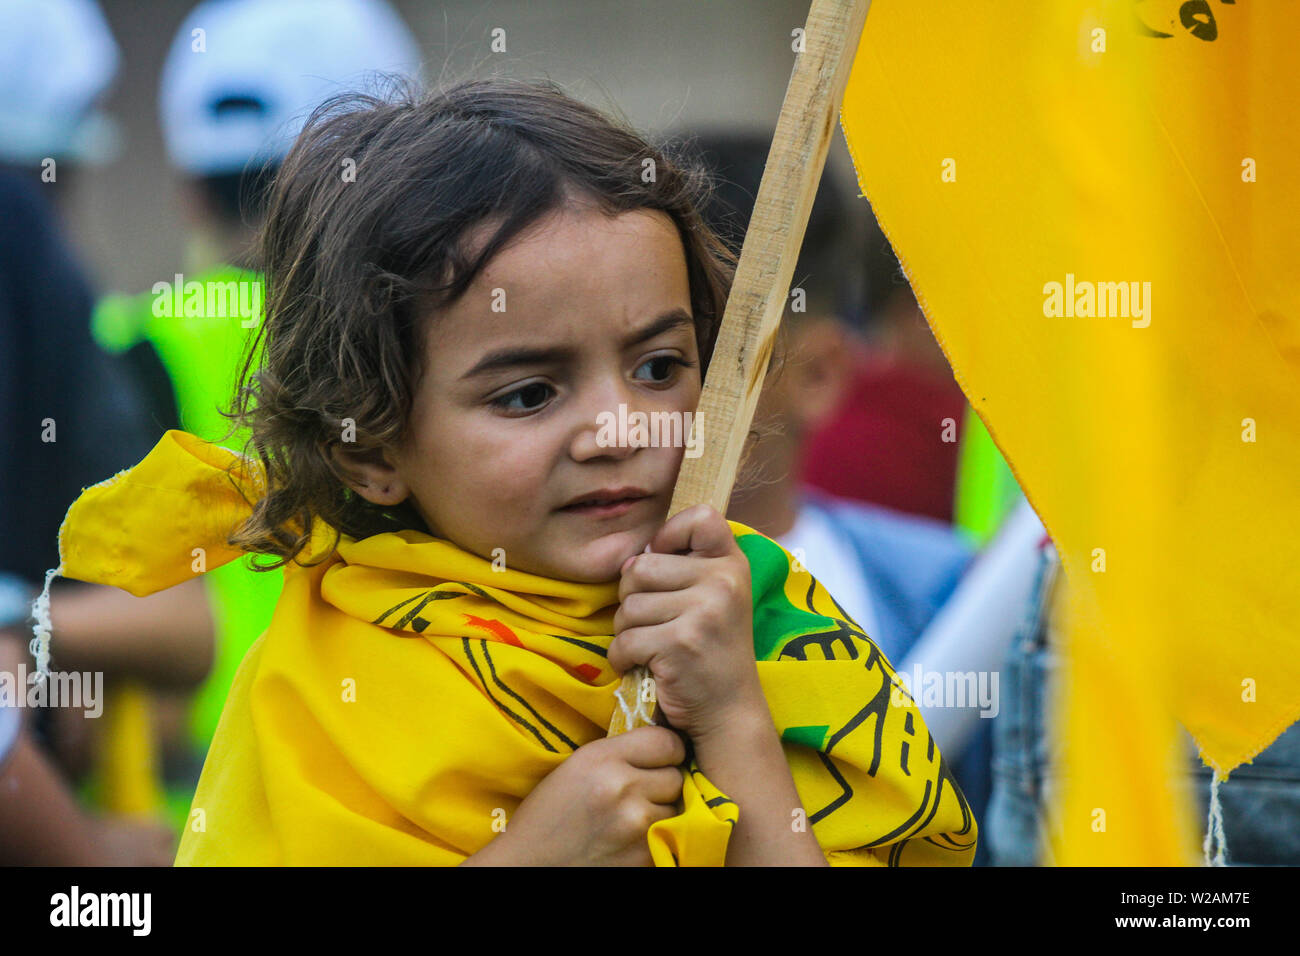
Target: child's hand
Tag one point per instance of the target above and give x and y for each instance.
(689, 618)
(595, 808)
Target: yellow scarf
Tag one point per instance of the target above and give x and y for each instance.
(408, 696)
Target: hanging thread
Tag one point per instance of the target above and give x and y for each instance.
(40, 645)
(1214, 838)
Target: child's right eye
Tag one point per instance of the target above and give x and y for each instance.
(507, 401)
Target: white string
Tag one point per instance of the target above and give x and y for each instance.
(40, 644)
(637, 713)
(623, 706)
(1214, 837)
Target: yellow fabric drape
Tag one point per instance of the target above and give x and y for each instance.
(408, 696)
(1095, 201)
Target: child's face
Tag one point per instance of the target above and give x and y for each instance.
(499, 444)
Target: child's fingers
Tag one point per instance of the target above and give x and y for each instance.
(632, 647)
(658, 572)
(653, 747)
(648, 608)
(699, 530)
(661, 785)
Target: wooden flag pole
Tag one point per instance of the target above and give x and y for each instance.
(794, 167)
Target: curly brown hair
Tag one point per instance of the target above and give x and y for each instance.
(356, 269)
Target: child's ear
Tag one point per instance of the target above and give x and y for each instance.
(369, 473)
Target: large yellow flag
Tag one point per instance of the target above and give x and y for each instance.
(1098, 205)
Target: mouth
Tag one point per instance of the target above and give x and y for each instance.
(606, 506)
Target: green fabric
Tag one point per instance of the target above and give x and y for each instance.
(202, 354)
(812, 736)
(986, 488)
(778, 620)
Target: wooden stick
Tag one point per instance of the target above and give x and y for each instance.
(763, 273)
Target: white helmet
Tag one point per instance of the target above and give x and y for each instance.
(242, 76)
(57, 58)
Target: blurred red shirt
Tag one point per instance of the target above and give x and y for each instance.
(885, 443)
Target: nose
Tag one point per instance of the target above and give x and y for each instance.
(601, 422)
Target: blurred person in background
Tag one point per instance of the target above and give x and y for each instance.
(239, 79)
(894, 439)
(68, 418)
(41, 821)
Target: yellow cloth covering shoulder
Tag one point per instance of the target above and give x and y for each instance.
(407, 696)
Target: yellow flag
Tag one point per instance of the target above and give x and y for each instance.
(1097, 204)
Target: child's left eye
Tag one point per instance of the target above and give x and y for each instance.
(671, 361)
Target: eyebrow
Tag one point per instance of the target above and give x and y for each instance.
(511, 357)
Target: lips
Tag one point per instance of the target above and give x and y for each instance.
(606, 498)
(602, 502)
(609, 509)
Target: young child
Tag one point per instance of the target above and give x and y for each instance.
(460, 288)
